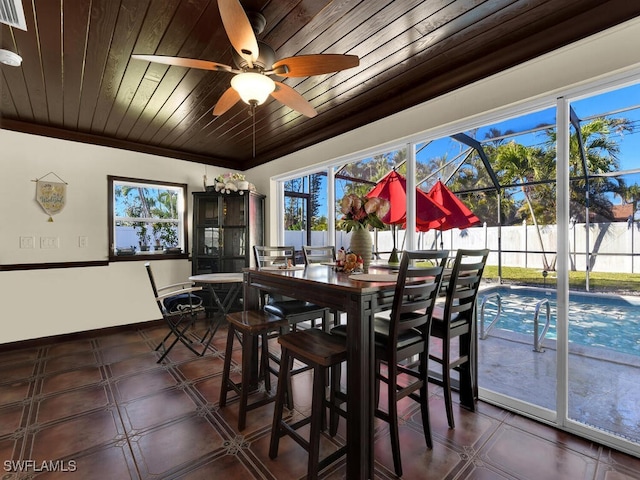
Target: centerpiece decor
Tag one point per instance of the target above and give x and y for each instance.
(361, 245)
(360, 213)
(394, 259)
(231, 182)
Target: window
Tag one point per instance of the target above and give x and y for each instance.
(146, 217)
(305, 210)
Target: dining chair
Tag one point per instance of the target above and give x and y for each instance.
(295, 311)
(179, 306)
(319, 254)
(400, 336)
(456, 321)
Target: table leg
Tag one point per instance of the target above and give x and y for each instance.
(251, 301)
(360, 390)
(232, 296)
(216, 300)
(223, 307)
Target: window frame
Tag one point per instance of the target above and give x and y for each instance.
(112, 182)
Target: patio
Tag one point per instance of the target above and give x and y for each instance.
(604, 387)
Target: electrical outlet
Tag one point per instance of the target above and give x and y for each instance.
(83, 242)
(27, 242)
(48, 242)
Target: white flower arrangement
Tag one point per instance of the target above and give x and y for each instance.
(231, 182)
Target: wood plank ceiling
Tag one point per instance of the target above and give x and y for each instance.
(78, 81)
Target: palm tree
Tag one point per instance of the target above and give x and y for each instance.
(520, 164)
(601, 156)
(632, 194)
(165, 205)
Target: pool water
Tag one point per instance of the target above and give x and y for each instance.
(607, 321)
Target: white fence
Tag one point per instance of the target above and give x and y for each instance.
(614, 247)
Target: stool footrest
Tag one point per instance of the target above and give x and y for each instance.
(291, 431)
(332, 457)
(255, 322)
(254, 405)
(298, 424)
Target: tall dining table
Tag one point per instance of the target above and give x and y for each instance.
(359, 299)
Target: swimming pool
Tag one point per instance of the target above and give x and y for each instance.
(595, 320)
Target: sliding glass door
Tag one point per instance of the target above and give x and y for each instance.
(604, 306)
(557, 188)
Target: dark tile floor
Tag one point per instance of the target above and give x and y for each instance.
(102, 407)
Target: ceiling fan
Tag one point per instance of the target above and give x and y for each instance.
(256, 62)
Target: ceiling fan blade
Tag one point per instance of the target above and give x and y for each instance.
(185, 62)
(239, 30)
(307, 65)
(292, 99)
(228, 99)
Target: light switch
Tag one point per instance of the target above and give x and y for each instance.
(83, 242)
(27, 242)
(48, 242)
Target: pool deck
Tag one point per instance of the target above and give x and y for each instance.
(604, 387)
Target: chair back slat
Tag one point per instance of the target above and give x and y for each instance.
(318, 254)
(463, 284)
(267, 256)
(418, 284)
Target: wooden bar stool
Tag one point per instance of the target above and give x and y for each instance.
(321, 351)
(254, 325)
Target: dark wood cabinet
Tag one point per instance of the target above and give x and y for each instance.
(225, 229)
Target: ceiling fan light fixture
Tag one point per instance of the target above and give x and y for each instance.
(253, 87)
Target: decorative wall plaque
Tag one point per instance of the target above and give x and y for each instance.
(50, 195)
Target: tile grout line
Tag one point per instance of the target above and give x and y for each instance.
(106, 374)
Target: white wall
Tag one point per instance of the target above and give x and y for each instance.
(38, 303)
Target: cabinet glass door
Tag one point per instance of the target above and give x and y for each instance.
(234, 242)
(207, 212)
(234, 211)
(208, 241)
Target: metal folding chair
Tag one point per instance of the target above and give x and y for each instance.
(180, 308)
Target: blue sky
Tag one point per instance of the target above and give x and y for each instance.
(618, 101)
(624, 102)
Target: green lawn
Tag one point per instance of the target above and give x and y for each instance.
(628, 283)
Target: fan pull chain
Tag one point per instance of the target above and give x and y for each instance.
(253, 114)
